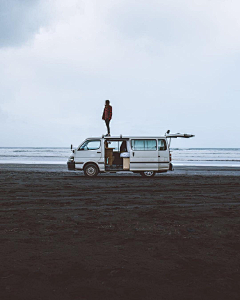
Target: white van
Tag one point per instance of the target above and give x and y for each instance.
(144, 155)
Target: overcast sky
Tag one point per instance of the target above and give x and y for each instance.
(171, 64)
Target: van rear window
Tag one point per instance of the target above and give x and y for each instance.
(162, 146)
(144, 145)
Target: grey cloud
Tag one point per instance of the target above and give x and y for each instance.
(20, 20)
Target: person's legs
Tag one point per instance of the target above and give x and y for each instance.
(107, 124)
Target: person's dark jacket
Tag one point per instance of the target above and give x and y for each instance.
(107, 113)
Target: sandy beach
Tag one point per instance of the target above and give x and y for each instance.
(68, 237)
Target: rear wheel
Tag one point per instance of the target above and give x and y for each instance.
(91, 170)
(148, 173)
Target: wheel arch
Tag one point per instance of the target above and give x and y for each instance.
(91, 163)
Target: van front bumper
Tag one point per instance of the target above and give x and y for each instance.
(71, 165)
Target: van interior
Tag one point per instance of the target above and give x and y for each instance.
(113, 150)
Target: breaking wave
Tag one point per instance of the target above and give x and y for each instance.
(183, 156)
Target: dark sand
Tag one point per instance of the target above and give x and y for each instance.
(64, 236)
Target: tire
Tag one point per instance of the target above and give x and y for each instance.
(91, 170)
(148, 174)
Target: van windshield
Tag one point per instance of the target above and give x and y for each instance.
(90, 145)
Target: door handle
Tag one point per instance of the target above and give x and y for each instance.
(133, 153)
(98, 152)
(158, 155)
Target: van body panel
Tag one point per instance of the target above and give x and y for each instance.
(142, 156)
(84, 155)
(163, 155)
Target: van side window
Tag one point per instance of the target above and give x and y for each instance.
(90, 145)
(162, 145)
(144, 145)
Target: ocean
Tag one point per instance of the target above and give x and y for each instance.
(223, 157)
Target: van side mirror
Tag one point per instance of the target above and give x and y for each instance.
(71, 146)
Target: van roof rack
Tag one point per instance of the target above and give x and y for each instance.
(112, 137)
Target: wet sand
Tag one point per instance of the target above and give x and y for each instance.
(64, 236)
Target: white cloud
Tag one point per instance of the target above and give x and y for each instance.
(165, 65)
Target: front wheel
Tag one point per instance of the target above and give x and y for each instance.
(91, 170)
(148, 173)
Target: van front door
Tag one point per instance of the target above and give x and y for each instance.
(89, 151)
(163, 155)
(143, 155)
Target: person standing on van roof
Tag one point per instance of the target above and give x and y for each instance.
(107, 115)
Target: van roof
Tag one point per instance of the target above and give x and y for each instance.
(167, 135)
(127, 137)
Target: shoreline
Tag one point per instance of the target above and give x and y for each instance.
(178, 170)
